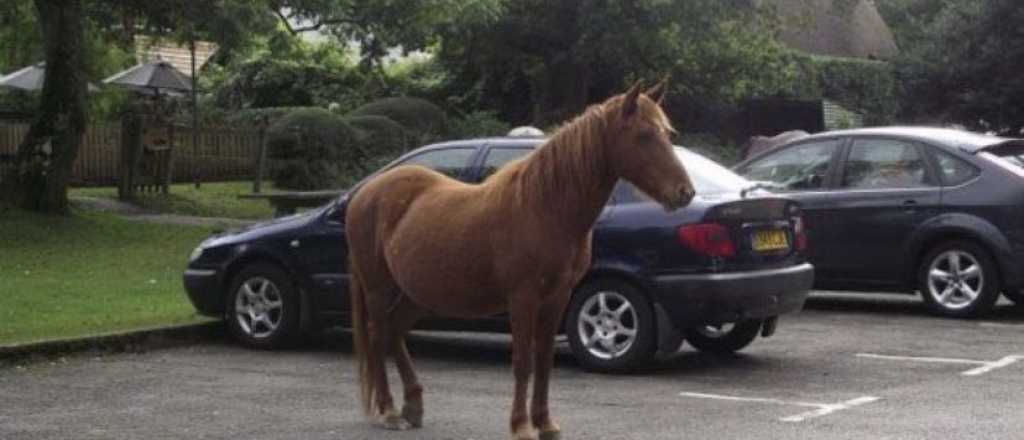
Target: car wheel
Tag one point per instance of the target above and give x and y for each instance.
(263, 307)
(610, 326)
(723, 338)
(958, 279)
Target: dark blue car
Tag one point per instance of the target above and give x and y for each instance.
(908, 209)
(718, 272)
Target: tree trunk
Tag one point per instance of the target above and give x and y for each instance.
(48, 152)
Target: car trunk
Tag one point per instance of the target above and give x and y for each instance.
(745, 234)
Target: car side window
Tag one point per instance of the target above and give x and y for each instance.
(450, 161)
(498, 157)
(884, 163)
(797, 168)
(953, 170)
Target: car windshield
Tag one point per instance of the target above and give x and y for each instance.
(708, 176)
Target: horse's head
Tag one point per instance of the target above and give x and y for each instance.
(640, 150)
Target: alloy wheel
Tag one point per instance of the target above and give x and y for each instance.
(258, 307)
(955, 279)
(607, 325)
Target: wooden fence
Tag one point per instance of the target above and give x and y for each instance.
(220, 155)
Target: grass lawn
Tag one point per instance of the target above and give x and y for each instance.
(210, 200)
(90, 273)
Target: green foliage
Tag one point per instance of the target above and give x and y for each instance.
(377, 26)
(477, 124)
(422, 120)
(379, 136)
(311, 148)
(305, 75)
(961, 64)
(20, 37)
(867, 87)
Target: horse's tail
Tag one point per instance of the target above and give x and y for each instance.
(361, 338)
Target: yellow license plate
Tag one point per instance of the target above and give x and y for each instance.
(770, 240)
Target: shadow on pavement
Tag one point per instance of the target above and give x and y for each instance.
(899, 304)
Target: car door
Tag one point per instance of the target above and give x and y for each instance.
(885, 190)
(805, 172)
(324, 252)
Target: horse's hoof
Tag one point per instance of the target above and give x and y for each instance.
(413, 416)
(395, 422)
(526, 433)
(551, 435)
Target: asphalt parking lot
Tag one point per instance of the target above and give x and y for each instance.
(848, 366)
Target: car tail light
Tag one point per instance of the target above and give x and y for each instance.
(711, 239)
(800, 233)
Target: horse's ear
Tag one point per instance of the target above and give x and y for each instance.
(657, 93)
(630, 104)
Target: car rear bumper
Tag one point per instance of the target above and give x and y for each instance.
(203, 288)
(691, 300)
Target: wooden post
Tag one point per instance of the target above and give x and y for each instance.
(261, 157)
(195, 112)
(169, 162)
(131, 146)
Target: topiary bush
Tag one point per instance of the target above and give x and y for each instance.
(422, 120)
(312, 148)
(379, 136)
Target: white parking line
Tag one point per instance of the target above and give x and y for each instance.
(820, 409)
(1001, 325)
(993, 365)
(984, 366)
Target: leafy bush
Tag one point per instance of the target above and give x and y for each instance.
(867, 87)
(422, 120)
(315, 76)
(379, 136)
(477, 124)
(312, 148)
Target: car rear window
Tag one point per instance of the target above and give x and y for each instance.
(709, 178)
(1009, 155)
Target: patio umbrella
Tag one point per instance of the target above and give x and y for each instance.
(158, 77)
(29, 78)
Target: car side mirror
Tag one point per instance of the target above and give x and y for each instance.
(336, 214)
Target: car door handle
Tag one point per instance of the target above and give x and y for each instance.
(910, 205)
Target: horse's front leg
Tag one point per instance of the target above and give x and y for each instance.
(523, 316)
(547, 328)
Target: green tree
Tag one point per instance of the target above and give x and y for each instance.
(540, 61)
(46, 155)
(960, 62)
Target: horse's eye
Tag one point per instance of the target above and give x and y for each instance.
(648, 136)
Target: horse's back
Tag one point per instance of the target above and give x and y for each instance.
(387, 197)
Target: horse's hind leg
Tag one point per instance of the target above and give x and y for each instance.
(403, 319)
(381, 335)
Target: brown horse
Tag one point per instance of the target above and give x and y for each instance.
(423, 243)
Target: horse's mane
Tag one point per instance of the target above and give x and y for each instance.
(574, 156)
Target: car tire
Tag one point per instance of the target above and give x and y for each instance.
(723, 338)
(959, 279)
(263, 307)
(610, 326)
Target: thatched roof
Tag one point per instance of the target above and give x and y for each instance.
(152, 49)
(841, 28)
